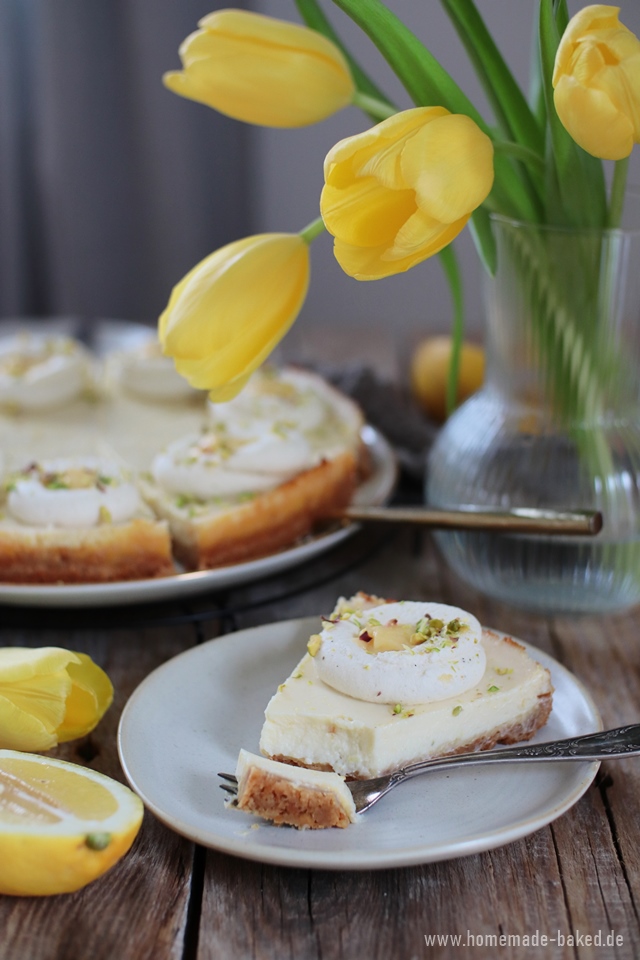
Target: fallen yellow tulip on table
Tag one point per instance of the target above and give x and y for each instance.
(49, 695)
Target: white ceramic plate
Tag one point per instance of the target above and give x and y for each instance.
(190, 717)
(374, 491)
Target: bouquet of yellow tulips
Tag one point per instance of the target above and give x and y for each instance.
(403, 190)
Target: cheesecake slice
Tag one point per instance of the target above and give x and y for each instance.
(311, 724)
(285, 794)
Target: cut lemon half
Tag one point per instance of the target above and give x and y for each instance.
(61, 825)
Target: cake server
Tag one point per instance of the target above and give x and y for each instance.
(521, 520)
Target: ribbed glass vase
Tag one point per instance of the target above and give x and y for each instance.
(557, 423)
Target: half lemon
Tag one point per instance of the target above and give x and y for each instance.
(61, 825)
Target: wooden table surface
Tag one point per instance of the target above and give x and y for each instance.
(168, 898)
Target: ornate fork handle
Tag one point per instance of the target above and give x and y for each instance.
(622, 741)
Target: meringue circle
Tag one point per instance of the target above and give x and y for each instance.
(37, 498)
(41, 372)
(221, 465)
(286, 396)
(443, 666)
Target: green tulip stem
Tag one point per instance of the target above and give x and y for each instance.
(373, 106)
(618, 186)
(521, 152)
(312, 230)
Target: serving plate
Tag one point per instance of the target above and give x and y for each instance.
(375, 490)
(189, 718)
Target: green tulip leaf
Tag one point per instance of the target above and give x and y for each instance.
(423, 77)
(504, 94)
(580, 177)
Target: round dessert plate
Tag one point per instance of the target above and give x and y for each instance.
(189, 718)
(375, 490)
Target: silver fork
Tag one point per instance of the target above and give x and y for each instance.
(606, 745)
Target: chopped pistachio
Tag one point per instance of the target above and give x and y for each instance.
(104, 515)
(503, 671)
(493, 688)
(314, 644)
(457, 710)
(398, 708)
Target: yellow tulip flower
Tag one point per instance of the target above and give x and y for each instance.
(401, 191)
(49, 695)
(597, 83)
(262, 70)
(225, 317)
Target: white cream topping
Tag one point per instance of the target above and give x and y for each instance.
(72, 493)
(147, 373)
(224, 464)
(440, 655)
(38, 372)
(283, 397)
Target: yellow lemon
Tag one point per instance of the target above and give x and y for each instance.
(61, 825)
(430, 371)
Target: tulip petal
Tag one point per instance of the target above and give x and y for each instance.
(449, 162)
(33, 708)
(361, 148)
(21, 663)
(90, 697)
(422, 236)
(622, 86)
(23, 731)
(593, 121)
(365, 213)
(376, 263)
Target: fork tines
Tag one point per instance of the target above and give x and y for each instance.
(231, 787)
(228, 776)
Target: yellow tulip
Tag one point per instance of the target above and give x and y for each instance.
(49, 695)
(261, 70)
(597, 83)
(225, 317)
(401, 191)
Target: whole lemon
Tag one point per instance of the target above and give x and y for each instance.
(430, 371)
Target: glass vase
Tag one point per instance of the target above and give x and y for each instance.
(557, 422)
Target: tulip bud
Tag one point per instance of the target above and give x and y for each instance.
(596, 81)
(401, 191)
(261, 70)
(49, 695)
(226, 316)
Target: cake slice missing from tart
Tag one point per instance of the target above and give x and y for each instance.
(268, 466)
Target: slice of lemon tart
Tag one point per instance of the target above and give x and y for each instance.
(386, 684)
